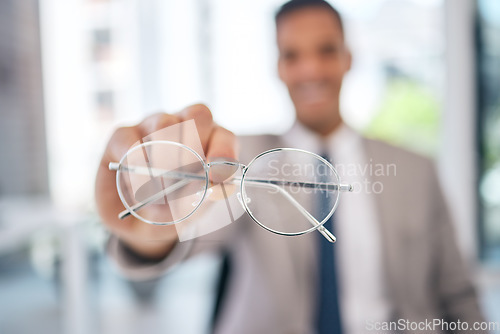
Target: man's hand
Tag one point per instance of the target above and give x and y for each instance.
(150, 240)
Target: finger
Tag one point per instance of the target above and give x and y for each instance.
(222, 144)
(105, 189)
(202, 116)
(121, 141)
(156, 122)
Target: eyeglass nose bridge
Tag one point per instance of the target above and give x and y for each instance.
(226, 163)
(225, 174)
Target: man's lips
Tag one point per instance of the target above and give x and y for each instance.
(312, 91)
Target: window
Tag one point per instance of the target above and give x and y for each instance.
(488, 56)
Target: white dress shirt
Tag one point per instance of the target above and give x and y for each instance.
(362, 291)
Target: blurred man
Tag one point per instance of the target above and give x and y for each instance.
(396, 264)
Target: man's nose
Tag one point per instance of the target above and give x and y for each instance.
(310, 67)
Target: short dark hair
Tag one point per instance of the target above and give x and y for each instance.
(295, 5)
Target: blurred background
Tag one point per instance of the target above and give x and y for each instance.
(426, 76)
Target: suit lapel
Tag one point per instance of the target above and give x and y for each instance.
(388, 218)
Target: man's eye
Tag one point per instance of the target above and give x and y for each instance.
(289, 56)
(329, 50)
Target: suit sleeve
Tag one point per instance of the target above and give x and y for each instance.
(137, 268)
(134, 267)
(455, 290)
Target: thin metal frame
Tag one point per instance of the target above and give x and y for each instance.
(129, 210)
(243, 200)
(316, 224)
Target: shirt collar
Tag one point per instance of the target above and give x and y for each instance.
(337, 144)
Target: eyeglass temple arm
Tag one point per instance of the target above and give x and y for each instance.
(318, 185)
(323, 230)
(174, 174)
(141, 170)
(155, 197)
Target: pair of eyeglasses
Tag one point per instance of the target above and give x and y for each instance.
(287, 191)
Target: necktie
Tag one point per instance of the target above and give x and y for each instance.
(328, 321)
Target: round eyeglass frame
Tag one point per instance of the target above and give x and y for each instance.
(151, 143)
(313, 228)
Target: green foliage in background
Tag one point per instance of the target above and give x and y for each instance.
(491, 137)
(408, 116)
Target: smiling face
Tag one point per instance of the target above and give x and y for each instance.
(312, 62)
